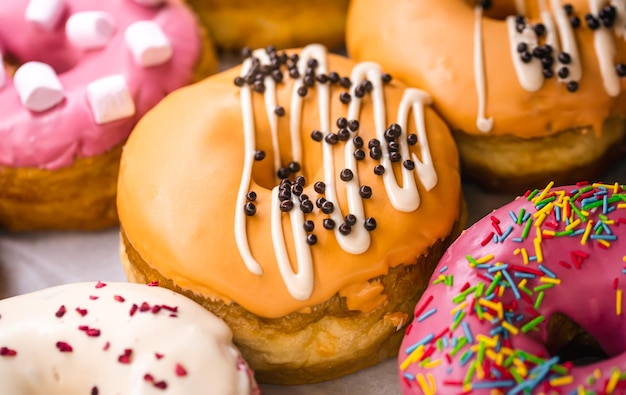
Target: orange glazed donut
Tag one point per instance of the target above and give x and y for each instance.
(116, 338)
(529, 300)
(531, 89)
(77, 76)
(301, 197)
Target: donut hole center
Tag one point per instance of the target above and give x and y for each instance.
(570, 342)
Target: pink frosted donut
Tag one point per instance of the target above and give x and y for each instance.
(87, 70)
(526, 299)
(116, 338)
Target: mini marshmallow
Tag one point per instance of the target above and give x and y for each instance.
(110, 99)
(45, 13)
(90, 29)
(38, 86)
(148, 43)
(153, 3)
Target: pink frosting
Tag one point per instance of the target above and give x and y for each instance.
(54, 138)
(458, 343)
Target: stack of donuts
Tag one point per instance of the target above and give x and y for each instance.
(308, 211)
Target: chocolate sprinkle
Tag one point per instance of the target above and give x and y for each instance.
(319, 187)
(317, 135)
(357, 141)
(309, 225)
(286, 206)
(331, 138)
(306, 206)
(350, 219)
(311, 239)
(359, 154)
(280, 111)
(328, 223)
(251, 196)
(345, 97)
(345, 229)
(370, 223)
(328, 207)
(346, 175)
(342, 123)
(365, 192)
(411, 139)
(379, 170)
(259, 155)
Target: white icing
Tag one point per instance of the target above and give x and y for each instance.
(38, 86)
(110, 99)
(529, 75)
(605, 52)
(190, 337)
(44, 13)
(568, 41)
(483, 124)
(300, 283)
(148, 43)
(620, 17)
(90, 29)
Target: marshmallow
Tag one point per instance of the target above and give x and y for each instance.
(38, 86)
(45, 13)
(110, 99)
(148, 44)
(90, 29)
(152, 3)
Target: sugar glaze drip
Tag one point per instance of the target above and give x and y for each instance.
(406, 198)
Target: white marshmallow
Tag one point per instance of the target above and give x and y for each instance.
(38, 86)
(148, 43)
(45, 13)
(90, 29)
(153, 3)
(110, 99)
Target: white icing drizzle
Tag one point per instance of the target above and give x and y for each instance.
(620, 17)
(605, 52)
(406, 198)
(529, 75)
(568, 41)
(483, 124)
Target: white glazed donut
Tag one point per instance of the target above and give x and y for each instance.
(114, 338)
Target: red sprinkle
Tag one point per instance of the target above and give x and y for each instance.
(158, 356)
(82, 312)
(156, 309)
(64, 347)
(93, 297)
(169, 308)
(144, 307)
(61, 311)
(118, 298)
(181, 371)
(565, 264)
(94, 391)
(420, 310)
(91, 332)
(100, 284)
(7, 352)
(615, 283)
(107, 345)
(125, 358)
(153, 284)
(133, 309)
(487, 239)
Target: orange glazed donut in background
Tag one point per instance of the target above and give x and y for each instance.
(301, 197)
(236, 24)
(77, 76)
(529, 300)
(532, 90)
(116, 338)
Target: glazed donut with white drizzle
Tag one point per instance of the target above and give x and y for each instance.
(301, 197)
(531, 89)
(116, 338)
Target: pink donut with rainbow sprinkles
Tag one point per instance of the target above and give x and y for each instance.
(529, 300)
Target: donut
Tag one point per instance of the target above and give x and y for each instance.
(76, 78)
(114, 338)
(237, 24)
(532, 91)
(255, 193)
(527, 300)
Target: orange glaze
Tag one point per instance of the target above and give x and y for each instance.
(179, 181)
(430, 44)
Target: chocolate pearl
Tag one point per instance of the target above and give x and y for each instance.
(408, 164)
(365, 192)
(342, 123)
(396, 129)
(286, 206)
(297, 189)
(312, 63)
(350, 219)
(284, 194)
(520, 20)
(345, 82)
(395, 157)
(390, 135)
(306, 206)
(357, 141)
(485, 4)
(345, 97)
(317, 135)
(322, 78)
(308, 225)
(246, 52)
(343, 135)
(319, 187)
(277, 75)
(249, 209)
(359, 154)
(353, 125)
(328, 223)
(386, 77)
(346, 175)
(569, 9)
(373, 143)
(563, 72)
(572, 86)
(280, 111)
(239, 81)
(309, 81)
(303, 197)
(393, 146)
(328, 207)
(294, 167)
(519, 27)
(284, 184)
(376, 153)
(620, 69)
(367, 85)
(320, 202)
(311, 239)
(592, 22)
(331, 138)
(283, 172)
(270, 49)
(547, 61)
(547, 73)
(370, 223)
(379, 170)
(564, 58)
(302, 91)
(526, 57)
(294, 57)
(411, 139)
(359, 91)
(259, 86)
(522, 47)
(300, 180)
(333, 77)
(294, 73)
(345, 229)
(574, 21)
(540, 29)
(259, 155)
(251, 196)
